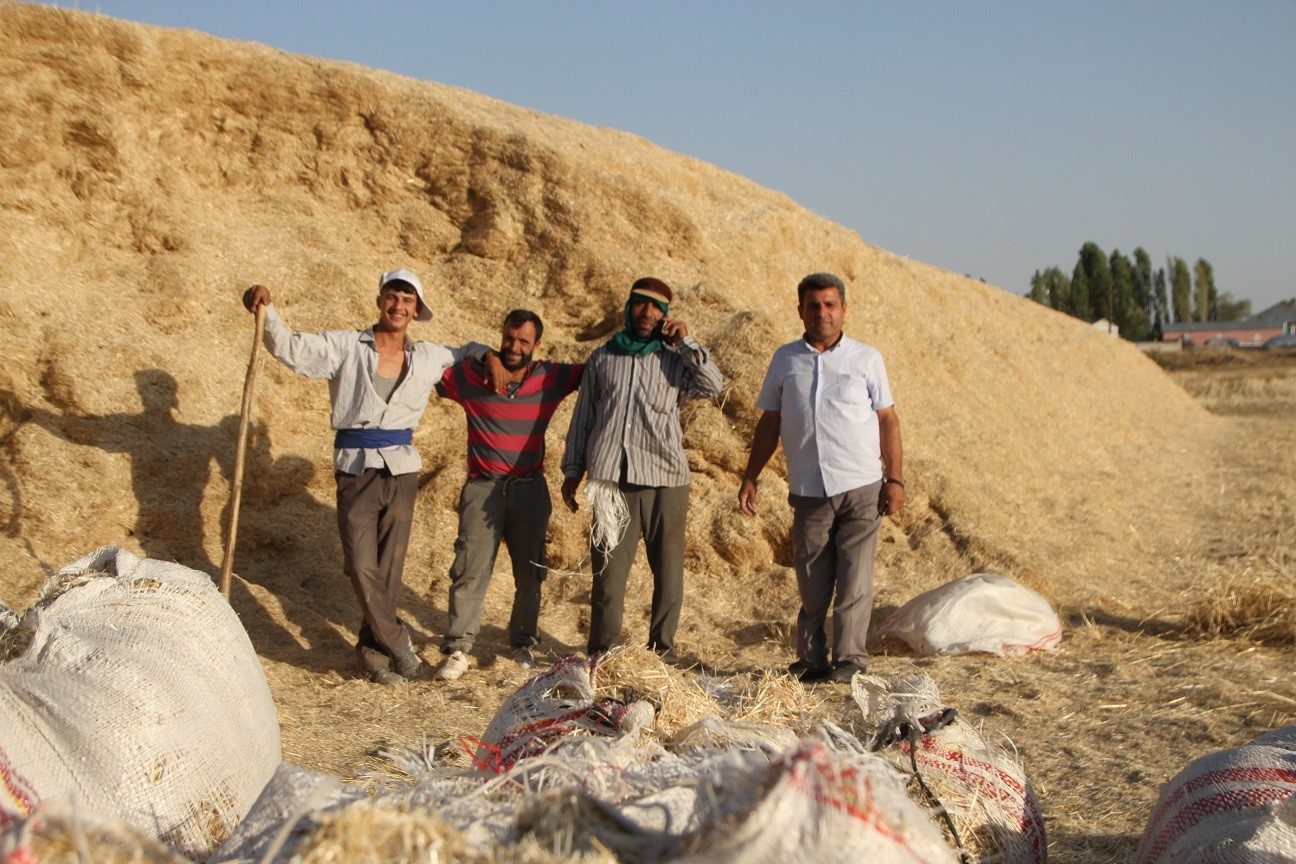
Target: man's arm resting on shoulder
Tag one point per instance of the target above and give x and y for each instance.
(892, 497)
(765, 441)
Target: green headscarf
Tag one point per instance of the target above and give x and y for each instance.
(627, 341)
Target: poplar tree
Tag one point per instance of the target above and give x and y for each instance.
(1143, 282)
(1207, 307)
(1097, 273)
(1161, 306)
(1180, 289)
(1038, 292)
(1057, 288)
(1078, 296)
(1129, 315)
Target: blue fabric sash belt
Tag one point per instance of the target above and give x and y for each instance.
(372, 438)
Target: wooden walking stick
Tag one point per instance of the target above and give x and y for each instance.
(240, 453)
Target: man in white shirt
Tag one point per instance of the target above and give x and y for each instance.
(379, 384)
(827, 398)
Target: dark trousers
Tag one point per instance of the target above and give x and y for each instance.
(659, 515)
(833, 544)
(515, 510)
(375, 511)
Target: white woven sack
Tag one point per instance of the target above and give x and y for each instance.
(984, 612)
(817, 805)
(131, 687)
(1228, 807)
(288, 809)
(984, 789)
(556, 704)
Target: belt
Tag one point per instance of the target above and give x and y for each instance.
(369, 439)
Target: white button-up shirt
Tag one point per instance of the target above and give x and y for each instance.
(348, 359)
(828, 403)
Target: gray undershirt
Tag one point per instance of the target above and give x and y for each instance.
(384, 386)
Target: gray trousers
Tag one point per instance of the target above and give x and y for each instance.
(375, 511)
(515, 510)
(658, 514)
(833, 543)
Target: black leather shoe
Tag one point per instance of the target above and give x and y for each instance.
(810, 674)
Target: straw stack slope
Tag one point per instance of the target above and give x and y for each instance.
(156, 173)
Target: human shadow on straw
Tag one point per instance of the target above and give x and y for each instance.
(170, 462)
(296, 604)
(170, 470)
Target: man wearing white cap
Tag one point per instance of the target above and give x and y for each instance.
(379, 384)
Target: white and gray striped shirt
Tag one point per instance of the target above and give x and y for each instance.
(627, 414)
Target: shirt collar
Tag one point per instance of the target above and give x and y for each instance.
(367, 335)
(841, 337)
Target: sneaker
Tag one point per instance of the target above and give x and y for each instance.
(386, 677)
(524, 658)
(453, 666)
(408, 665)
(845, 672)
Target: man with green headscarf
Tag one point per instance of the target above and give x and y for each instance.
(625, 436)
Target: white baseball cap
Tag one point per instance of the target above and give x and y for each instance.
(406, 277)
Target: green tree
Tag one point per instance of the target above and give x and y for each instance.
(1180, 289)
(1078, 296)
(1232, 310)
(1205, 295)
(1097, 273)
(1143, 282)
(1058, 288)
(1128, 314)
(1160, 305)
(1038, 293)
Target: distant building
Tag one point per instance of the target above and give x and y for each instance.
(1249, 332)
(1105, 326)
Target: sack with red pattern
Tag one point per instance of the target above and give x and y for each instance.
(992, 810)
(1235, 805)
(552, 707)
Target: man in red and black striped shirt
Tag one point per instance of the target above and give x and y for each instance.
(505, 496)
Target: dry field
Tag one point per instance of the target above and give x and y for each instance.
(157, 173)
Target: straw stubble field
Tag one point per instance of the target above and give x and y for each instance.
(160, 172)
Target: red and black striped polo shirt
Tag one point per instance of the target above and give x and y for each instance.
(506, 433)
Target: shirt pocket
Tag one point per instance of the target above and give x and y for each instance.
(848, 390)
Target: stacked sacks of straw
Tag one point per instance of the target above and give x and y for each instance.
(579, 766)
(1229, 807)
(131, 691)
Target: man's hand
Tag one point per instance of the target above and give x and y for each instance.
(891, 498)
(673, 331)
(747, 497)
(569, 487)
(495, 371)
(257, 295)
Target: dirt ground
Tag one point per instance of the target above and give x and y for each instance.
(159, 172)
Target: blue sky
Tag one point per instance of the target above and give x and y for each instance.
(989, 138)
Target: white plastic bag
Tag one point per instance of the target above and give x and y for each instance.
(984, 612)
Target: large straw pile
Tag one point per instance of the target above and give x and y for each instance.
(154, 174)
